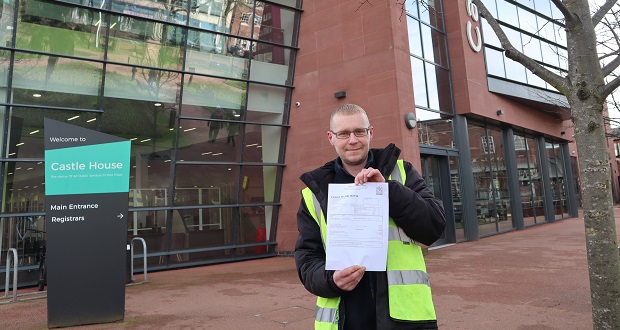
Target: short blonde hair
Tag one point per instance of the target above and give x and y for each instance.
(348, 110)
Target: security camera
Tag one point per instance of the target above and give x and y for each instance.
(297, 104)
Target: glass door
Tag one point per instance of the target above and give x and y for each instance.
(436, 173)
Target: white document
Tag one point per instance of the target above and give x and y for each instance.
(357, 226)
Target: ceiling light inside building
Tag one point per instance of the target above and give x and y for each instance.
(74, 117)
(36, 95)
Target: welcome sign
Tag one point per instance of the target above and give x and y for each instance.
(86, 192)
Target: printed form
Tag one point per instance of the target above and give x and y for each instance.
(357, 226)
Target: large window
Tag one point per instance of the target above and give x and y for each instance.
(429, 56)
(200, 88)
(531, 29)
(492, 195)
(530, 179)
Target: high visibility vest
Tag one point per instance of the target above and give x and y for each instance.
(409, 290)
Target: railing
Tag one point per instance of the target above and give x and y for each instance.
(8, 275)
(144, 260)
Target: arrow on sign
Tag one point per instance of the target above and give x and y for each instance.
(120, 216)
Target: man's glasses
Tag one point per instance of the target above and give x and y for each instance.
(361, 132)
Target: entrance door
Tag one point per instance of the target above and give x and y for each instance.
(436, 173)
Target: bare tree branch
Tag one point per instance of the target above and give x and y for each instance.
(611, 66)
(601, 12)
(552, 78)
(615, 40)
(610, 87)
(570, 17)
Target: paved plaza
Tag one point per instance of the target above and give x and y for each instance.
(536, 278)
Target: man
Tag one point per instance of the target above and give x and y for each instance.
(352, 298)
(214, 126)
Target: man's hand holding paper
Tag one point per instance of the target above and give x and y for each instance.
(357, 224)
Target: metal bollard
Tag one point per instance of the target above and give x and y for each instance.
(8, 272)
(144, 258)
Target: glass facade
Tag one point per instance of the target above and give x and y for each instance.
(490, 179)
(531, 29)
(530, 179)
(201, 88)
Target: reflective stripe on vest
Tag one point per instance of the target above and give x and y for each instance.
(409, 291)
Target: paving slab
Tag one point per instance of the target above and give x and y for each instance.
(535, 278)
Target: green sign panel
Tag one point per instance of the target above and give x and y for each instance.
(87, 169)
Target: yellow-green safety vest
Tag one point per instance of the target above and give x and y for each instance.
(409, 290)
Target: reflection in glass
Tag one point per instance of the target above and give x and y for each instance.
(427, 43)
(543, 7)
(527, 21)
(435, 129)
(507, 13)
(60, 29)
(259, 145)
(546, 29)
(514, 70)
(56, 81)
(531, 47)
(490, 180)
(557, 176)
(26, 129)
(124, 82)
(211, 141)
(431, 86)
(207, 53)
(488, 35)
(160, 45)
(168, 11)
(415, 43)
(491, 6)
(550, 54)
(431, 13)
(267, 104)
(271, 64)
(419, 82)
(205, 93)
(214, 15)
(6, 23)
(444, 89)
(530, 184)
(440, 49)
(535, 80)
(495, 62)
(273, 23)
(411, 7)
(457, 200)
(514, 37)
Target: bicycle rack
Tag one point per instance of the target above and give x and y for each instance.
(8, 275)
(144, 260)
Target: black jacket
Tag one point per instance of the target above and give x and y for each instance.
(413, 208)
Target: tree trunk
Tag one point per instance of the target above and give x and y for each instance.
(585, 76)
(600, 228)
